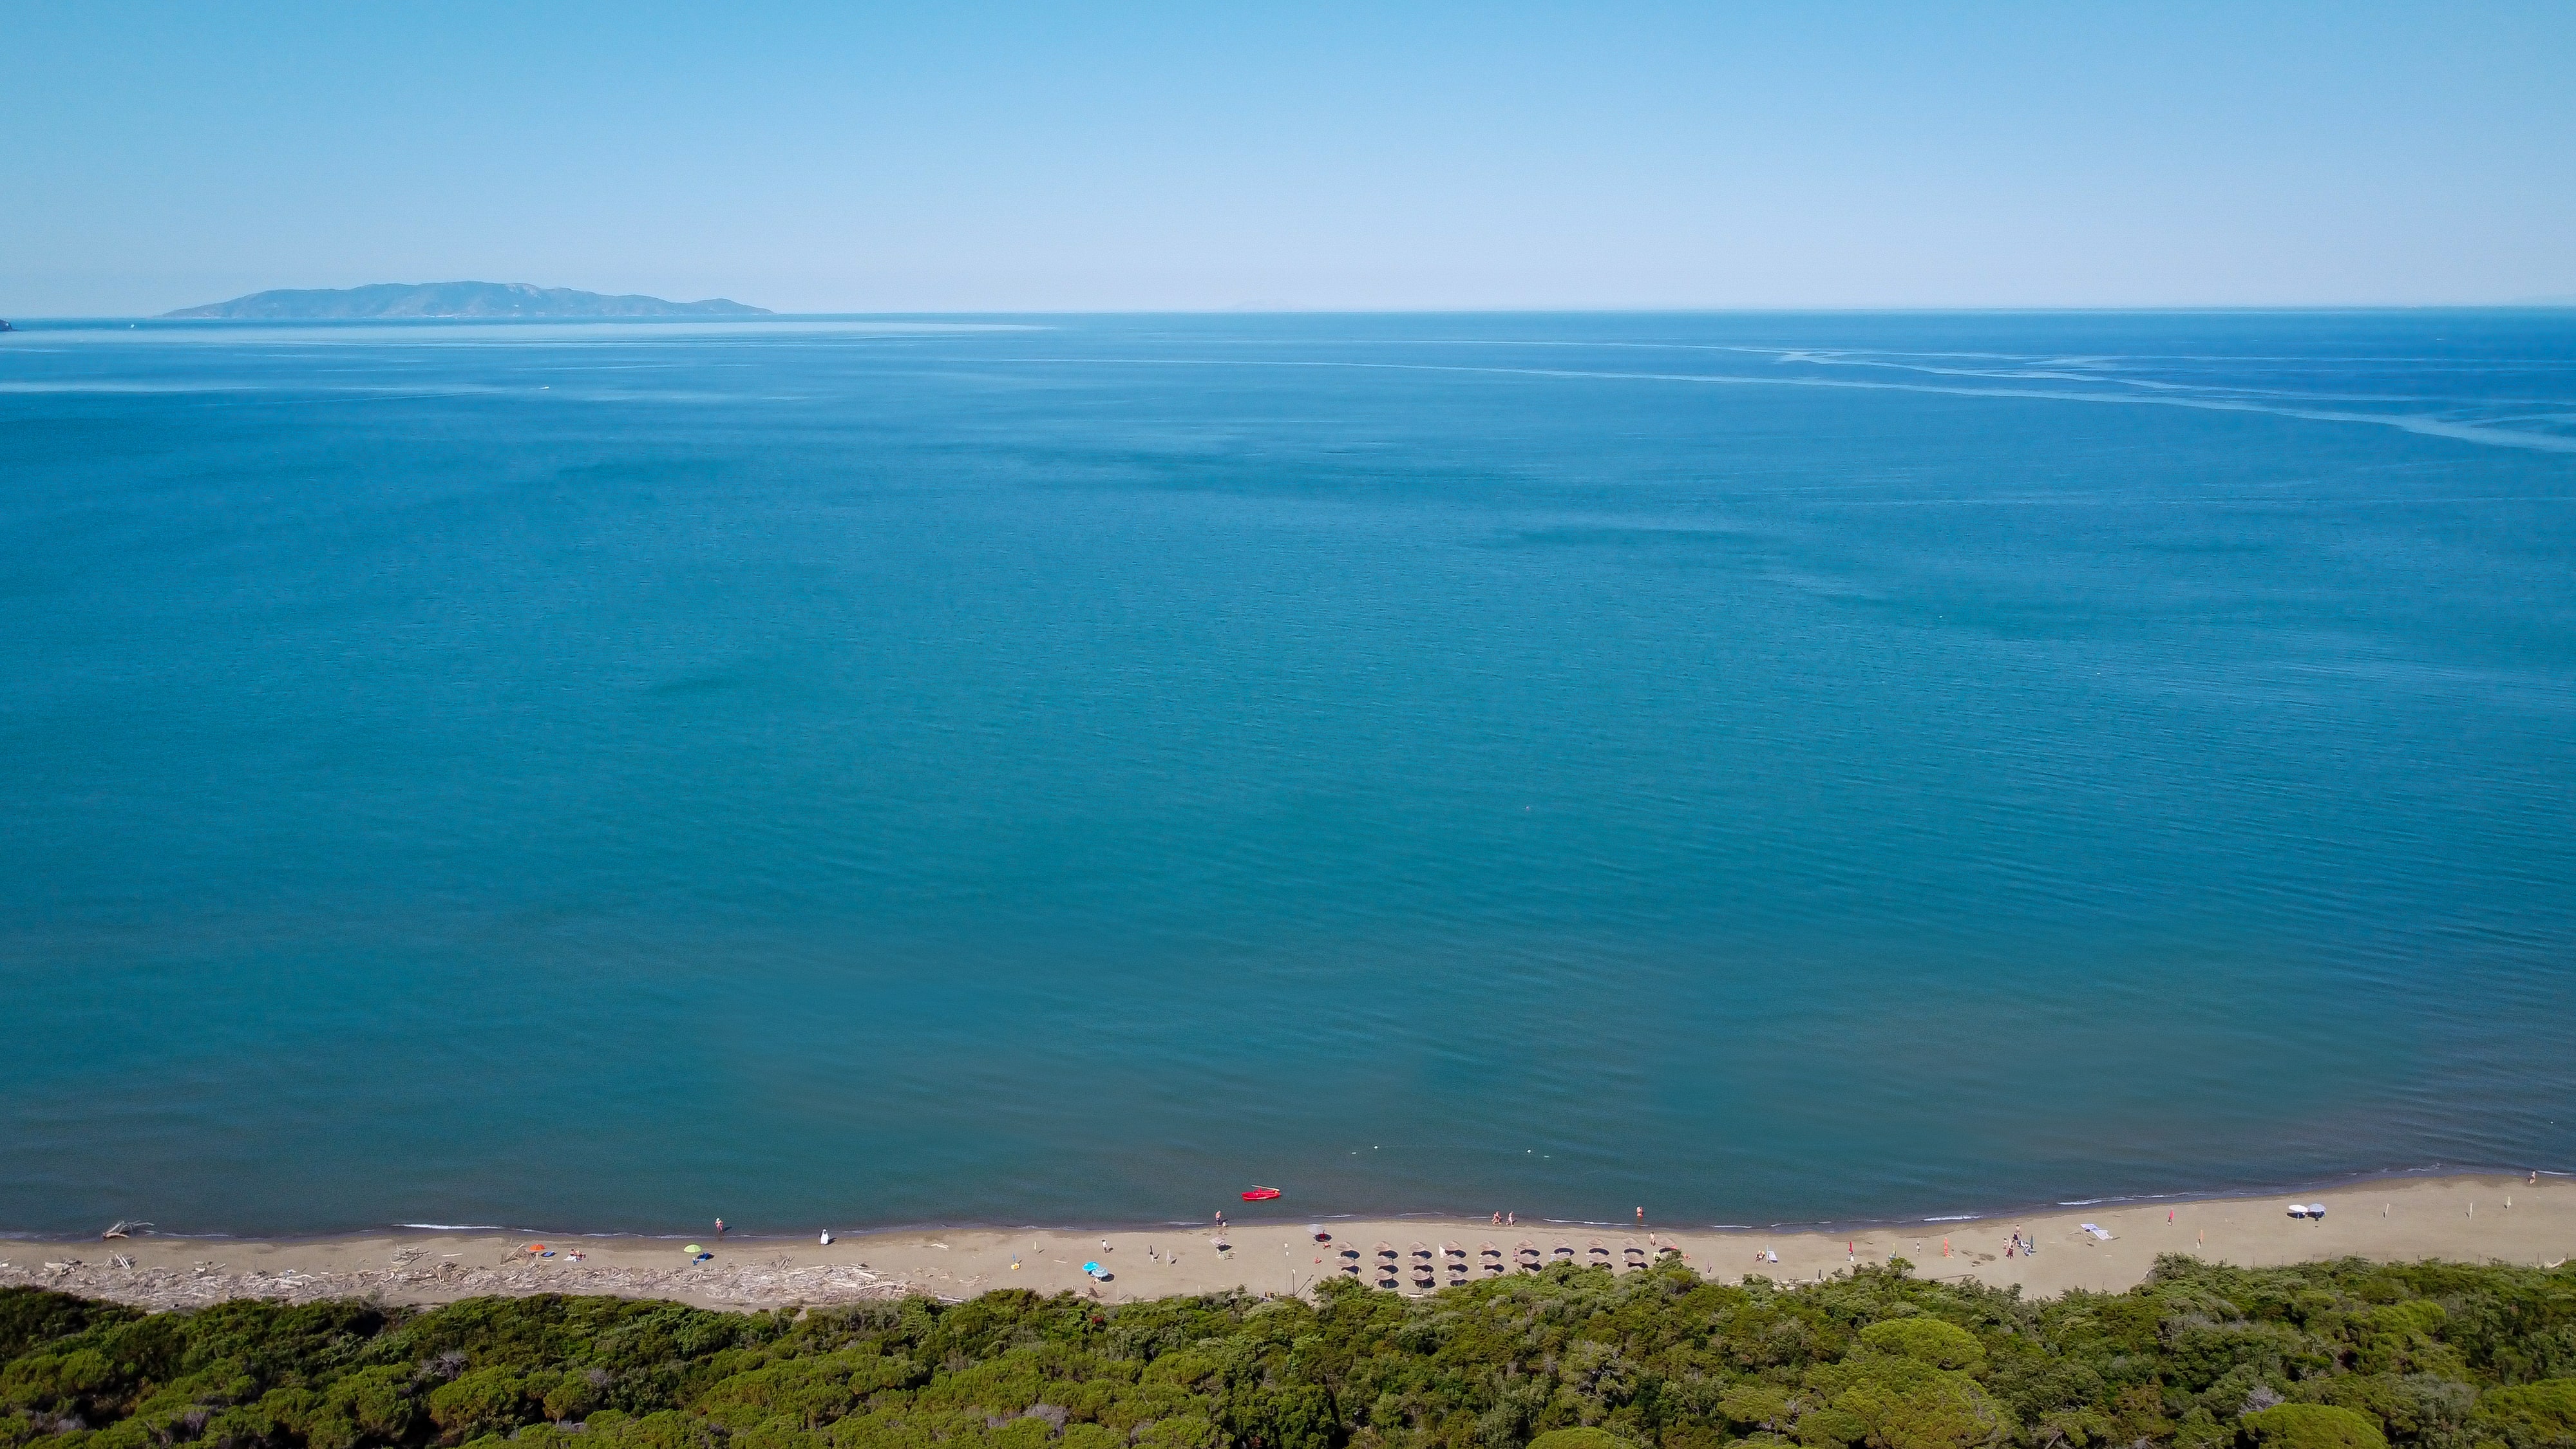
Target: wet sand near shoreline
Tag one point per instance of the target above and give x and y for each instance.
(2463, 1218)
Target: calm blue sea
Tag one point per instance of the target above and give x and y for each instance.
(1756, 767)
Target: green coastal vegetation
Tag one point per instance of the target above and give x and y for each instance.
(2346, 1355)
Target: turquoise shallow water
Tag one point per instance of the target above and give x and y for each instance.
(1758, 767)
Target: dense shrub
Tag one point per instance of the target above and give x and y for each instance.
(2344, 1355)
(2314, 1426)
(1579, 1439)
(2533, 1416)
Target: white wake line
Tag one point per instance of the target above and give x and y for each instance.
(2251, 500)
(1776, 351)
(2429, 427)
(2209, 392)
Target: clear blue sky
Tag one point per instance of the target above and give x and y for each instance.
(1082, 156)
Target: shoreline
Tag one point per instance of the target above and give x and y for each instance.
(2023, 1211)
(2471, 1217)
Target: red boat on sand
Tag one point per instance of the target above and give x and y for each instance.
(1261, 1194)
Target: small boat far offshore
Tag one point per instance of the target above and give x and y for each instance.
(1261, 1194)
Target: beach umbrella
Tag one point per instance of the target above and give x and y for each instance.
(693, 1248)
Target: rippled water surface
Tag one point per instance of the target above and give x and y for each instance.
(1757, 767)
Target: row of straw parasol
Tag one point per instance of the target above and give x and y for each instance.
(1385, 1266)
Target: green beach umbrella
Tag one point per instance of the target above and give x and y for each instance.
(693, 1248)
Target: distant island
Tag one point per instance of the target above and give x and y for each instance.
(457, 299)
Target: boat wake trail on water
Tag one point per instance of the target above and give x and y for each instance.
(2466, 421)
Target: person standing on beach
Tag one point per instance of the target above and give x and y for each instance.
(719, 1227)
(1641, 1217)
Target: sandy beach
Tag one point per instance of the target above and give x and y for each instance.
(2463, 1218)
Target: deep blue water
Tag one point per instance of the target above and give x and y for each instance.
(1759, 767)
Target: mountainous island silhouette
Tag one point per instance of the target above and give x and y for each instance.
(457, 299)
